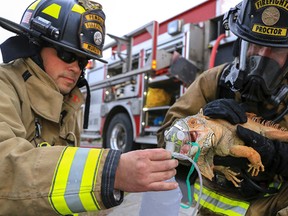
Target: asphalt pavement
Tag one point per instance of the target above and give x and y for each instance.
(132, 201)
(131, 206)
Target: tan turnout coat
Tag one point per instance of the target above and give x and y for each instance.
(28, 173)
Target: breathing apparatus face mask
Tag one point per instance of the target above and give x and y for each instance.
(261, 70)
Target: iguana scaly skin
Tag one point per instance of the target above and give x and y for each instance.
(218, 137)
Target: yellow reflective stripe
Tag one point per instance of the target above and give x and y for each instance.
(90, 172)
(34, 5)
(74, 179)
(220, 204)
(78, 9)
(52, 10)
(275, 184)
(226, 200)
(58, 187)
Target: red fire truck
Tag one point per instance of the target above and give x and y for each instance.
(147, 71)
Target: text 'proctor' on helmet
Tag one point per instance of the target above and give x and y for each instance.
(75, 25)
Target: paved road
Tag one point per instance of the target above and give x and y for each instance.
(132, 201)
(131, 206)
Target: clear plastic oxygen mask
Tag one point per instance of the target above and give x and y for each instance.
(178, 139)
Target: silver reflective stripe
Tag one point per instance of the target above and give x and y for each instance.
(72, 188)
(219, 203)
(74, 181)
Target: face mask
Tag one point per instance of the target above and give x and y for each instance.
(262, 78)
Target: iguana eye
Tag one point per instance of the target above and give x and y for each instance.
(192, 123)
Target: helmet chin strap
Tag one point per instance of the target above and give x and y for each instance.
(81, 83)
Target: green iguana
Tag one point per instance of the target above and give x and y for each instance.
(218, 137)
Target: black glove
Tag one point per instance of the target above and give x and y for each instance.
(227, 109)
(273, 153)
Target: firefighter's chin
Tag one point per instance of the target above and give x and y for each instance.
(65, 89)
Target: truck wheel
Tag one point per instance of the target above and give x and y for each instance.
(119, 134)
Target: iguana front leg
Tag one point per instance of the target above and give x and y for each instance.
(229, 174)
(252, 155)
(205, 168)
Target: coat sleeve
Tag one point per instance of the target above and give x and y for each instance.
(199, 93)
(49, 180)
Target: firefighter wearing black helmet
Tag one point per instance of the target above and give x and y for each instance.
(43, 169)
(256, 81)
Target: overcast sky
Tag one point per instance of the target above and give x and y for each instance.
(122, 17)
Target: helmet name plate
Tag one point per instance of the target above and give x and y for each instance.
(269, 30)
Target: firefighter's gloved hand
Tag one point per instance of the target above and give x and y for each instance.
(273, 153)
(227, 109)
(264, 146)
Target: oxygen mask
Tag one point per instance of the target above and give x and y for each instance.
(178, 139)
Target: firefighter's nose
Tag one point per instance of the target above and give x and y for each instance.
(265, 51)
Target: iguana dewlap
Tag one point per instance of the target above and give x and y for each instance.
(218, 137)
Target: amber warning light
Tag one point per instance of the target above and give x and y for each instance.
(154, 64)
(90, 64)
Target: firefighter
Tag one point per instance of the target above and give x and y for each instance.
(43, 169)
(256, 81)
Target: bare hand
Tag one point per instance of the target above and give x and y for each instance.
(146, 170)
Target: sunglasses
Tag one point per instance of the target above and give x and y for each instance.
(70, 57)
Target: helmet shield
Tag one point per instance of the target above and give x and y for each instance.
(69, 24)
(261, 22)
(92, 31)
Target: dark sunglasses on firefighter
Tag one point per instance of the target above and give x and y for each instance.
(70, 57)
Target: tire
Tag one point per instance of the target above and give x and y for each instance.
(119, 134)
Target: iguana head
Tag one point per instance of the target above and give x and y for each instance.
(184, 131)
(200, 131)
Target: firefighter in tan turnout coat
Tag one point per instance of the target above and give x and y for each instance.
(255, 82)
(43, 170)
